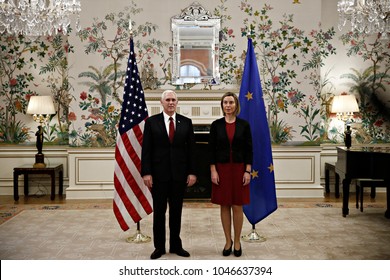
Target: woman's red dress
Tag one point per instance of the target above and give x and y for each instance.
(230, 190)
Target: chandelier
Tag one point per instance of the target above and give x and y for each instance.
(34, 18)
(369, 16)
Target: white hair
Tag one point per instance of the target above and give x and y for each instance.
(166, 92)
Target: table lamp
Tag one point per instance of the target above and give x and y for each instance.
(344, 105)
(41, 107)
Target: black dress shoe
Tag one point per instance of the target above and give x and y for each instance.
(238, 253)
(180, 252)
(157, 254)
(227, 252)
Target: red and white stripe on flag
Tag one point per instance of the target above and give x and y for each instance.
(132, 199)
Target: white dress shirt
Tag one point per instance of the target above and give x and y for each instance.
(166, 121)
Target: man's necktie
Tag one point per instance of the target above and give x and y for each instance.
(171, 129)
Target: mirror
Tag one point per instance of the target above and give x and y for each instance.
(195, 47)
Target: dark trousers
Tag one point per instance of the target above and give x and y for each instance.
(167, 193)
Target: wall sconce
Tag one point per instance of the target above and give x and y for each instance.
(344, 105)
(41, 107)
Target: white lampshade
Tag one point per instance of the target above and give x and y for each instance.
(344, 103)
(41, 105)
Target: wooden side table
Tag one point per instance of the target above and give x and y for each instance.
(49, 170)
(332, 167)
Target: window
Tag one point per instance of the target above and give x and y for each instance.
(189, 71)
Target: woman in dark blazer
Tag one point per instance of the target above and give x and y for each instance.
(231, 159)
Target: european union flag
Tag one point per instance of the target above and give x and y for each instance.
(262, 186)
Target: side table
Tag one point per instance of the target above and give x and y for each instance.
(332, 167)
(49, 170)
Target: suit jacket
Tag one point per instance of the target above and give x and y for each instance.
(220, 146)
(163, 160)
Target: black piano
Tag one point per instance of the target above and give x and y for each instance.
(363, 162)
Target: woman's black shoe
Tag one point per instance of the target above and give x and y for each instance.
(227, 252)
(238, 253)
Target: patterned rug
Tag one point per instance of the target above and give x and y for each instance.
(9, 211)
(313, 233)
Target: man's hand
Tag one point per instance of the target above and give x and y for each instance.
(191, 180)
(148, 181)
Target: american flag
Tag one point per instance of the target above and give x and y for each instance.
(132, 199)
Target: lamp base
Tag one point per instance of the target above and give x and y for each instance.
(39, 161)
(348, 137)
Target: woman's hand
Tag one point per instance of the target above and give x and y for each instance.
(246, 178)
(215, 177)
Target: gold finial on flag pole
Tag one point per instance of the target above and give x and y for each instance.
(131, 28)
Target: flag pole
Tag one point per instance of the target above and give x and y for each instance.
(130, 192)
(262, 185)
(138, 237)
(253, 236)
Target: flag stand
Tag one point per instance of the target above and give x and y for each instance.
(253, 236)
(138, 237)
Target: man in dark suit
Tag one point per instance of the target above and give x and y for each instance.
(167, 167)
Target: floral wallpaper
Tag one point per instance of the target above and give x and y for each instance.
(297, 82)
(371, 86)
(281, 46)
(28, 68)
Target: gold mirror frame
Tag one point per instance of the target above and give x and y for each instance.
(195, 35)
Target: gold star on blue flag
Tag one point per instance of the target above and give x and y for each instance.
(262, 186)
